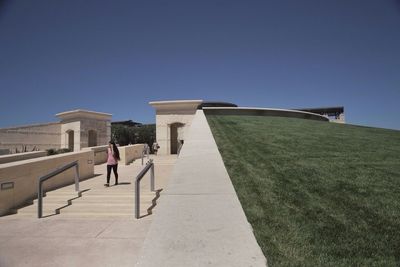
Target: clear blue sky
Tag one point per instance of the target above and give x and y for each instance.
(116, 56)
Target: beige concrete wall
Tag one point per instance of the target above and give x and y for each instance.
(169, 113)
(55, 135)
(100, 153)
(163, 130)
(81, 122)
(130, 153)
(71, 126)
(40, 137)
(102, 128)
(25, 174)
(22, 156)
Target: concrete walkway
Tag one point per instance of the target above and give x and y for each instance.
(200, 221)
(98, 229)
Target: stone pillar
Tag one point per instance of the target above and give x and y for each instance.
(169, 113)
(81, 122)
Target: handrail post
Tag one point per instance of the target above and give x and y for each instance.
(137, 198)
(40, 200)
(52, 174)
(149, 166)
(152, 177)
(77, 177)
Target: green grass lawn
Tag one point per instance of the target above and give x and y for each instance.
(316, 193)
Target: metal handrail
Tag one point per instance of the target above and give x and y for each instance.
(146, 150)
(52, 174)
(149, 166)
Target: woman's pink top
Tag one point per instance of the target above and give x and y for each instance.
(110, 157)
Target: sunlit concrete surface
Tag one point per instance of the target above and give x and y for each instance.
(200, 221)
(97, 229)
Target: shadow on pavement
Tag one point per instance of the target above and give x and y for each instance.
(57, 211)
(153, 204)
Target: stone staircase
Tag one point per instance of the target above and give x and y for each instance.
(94, 228)
(91, 203)
(95, 200)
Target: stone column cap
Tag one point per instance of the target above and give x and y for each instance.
(78, 114)
(176, 104)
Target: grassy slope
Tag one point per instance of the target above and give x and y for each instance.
(316, 193)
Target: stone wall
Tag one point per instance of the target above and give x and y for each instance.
(77, 129)
(83, 128)
(163, 130)
(24, 175)
(101, 127)
(100, 153)
(130, 153)
(22, 156)
(38, 137)
(173, 119)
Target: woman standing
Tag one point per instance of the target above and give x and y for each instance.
(155, 147)
(112, 162)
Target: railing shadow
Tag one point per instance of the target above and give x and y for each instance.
(57, 211)
(123, 183)
(153, 204)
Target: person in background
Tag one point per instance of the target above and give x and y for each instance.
(112, 162)
(155, 147)
(180, 144)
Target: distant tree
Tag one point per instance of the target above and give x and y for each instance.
(121, 134)
(125, 135)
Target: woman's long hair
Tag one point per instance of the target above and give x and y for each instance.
(115, 149)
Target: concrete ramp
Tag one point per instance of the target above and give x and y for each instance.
(200, 221)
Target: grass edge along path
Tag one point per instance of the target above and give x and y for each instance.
(315, 193)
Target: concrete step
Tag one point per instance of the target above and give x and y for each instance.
(91, 203)
(103, 193)
(74, 208)
(95, 200)
(65, 193)
(108, 214)
(143, 190)
(100, 211)
(91, 192)
(87, 208)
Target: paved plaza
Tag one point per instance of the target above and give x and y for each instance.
(97, 229)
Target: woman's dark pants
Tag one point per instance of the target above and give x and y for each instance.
(114, 167)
